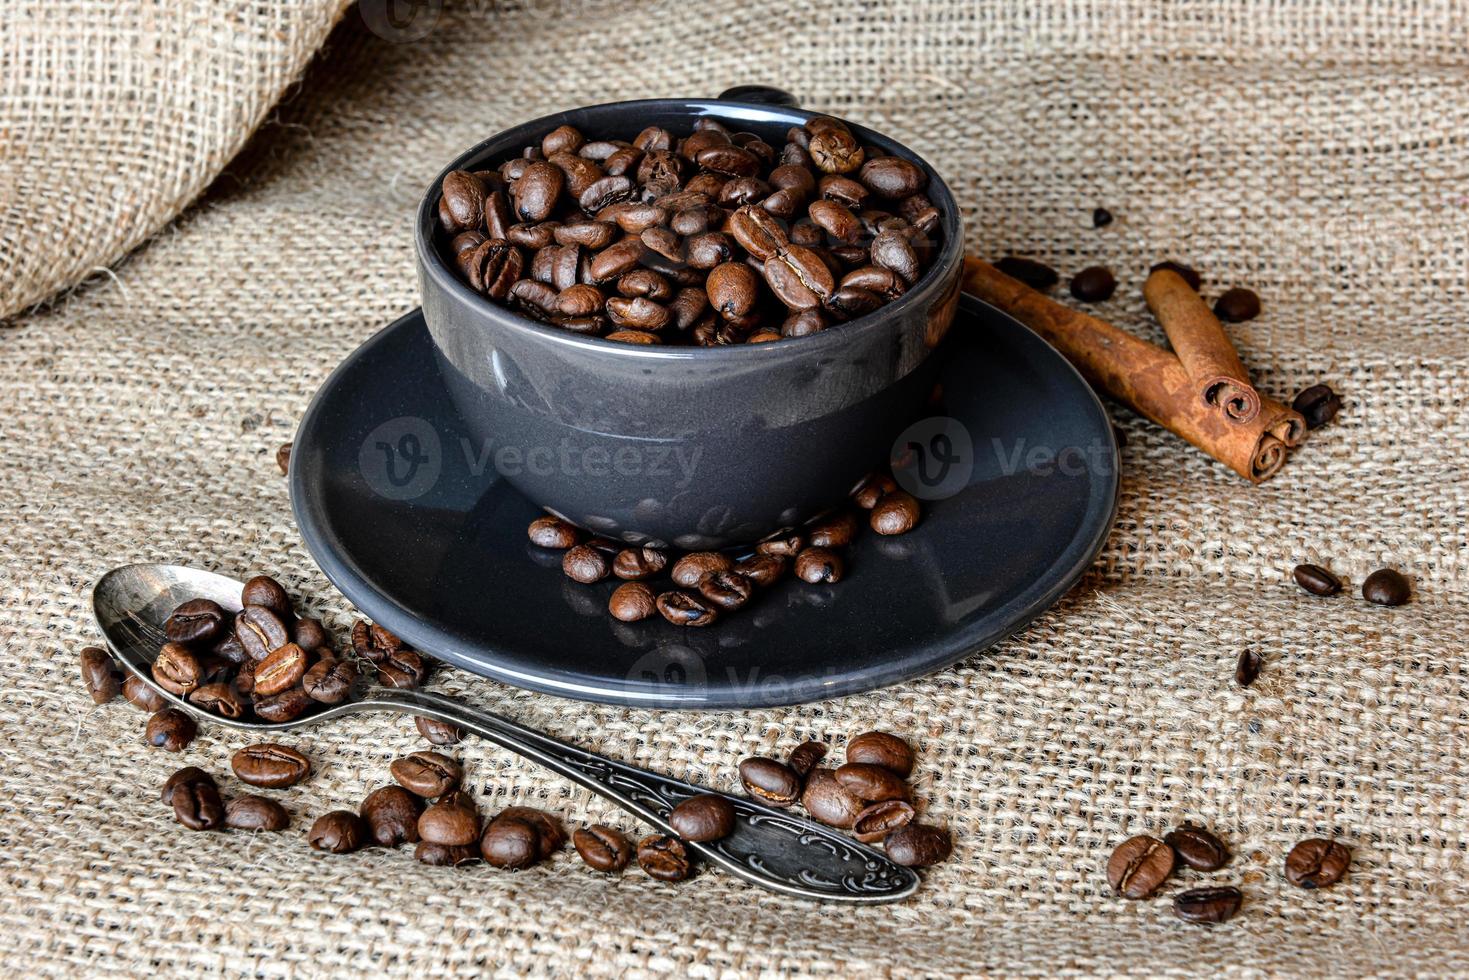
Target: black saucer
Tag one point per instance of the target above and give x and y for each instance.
(404, 513)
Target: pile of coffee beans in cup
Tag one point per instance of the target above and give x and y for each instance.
(706, 238)
(702, 586)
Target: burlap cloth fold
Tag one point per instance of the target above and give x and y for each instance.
(1314, 151)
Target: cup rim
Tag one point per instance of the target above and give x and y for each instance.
(433, 264)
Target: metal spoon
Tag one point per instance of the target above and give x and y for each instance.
(775, 850)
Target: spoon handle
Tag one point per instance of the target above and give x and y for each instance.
(775, 850)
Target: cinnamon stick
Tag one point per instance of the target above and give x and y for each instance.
(1146, 378)
(1199, 341)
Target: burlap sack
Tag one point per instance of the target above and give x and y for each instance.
(1313, 151)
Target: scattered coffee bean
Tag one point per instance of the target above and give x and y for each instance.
(372, 642)
(427, 773)
(1036, 275)
(585, 564)
(632, 601)
(1318, 404)
(195, 621)
(1386, 587)
(807, 756)
(819, 565)
(391, 814)
(917, 845)
(402, 669)
(1190, 275)
(706, 817)
(686, 609)
(872, 489)
(141, 694)
(882, 749)
(196, 804)
(871, 783)
(1139, 866)
(1197, 848)
(1237, 305)
(602, 848)
(827, 801)
(338, 832)
(309, 634)
(1247, 668)
(553, 532)
(170, 729)
(270, 766)
(283, 458)
(689, 570)
(1094, 284)
(329, 680)
(188, 774)
(1101, 218)
(453, 820)
(664, 858)
(441, 855)
(634, 564)
(896, 513)
(550, 835)
(100, 674)
(729, 590)
(262, 590)
(770, 782)
(878, 820)
(1216, 904)
(1317, 863)
(255, 813)
(1317, 580)
(509, 842)
(437, 732)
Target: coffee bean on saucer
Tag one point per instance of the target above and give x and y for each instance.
(453, 820)
(602, 848)
(391, 814)
(1213, 904)
(270, 765)
(140, 694)
(283, 458)
(882, 749)
(782, 546)
(1317, 863)
(427, 773)
(819, 565)
(1386, 587)
(663, 857)
(1036, 275)
(1316, 580)
(827, 801)
(1197, 848)
(170, 729)
(836, 531)
(728, 590)
(634, 564)
(896, 513)
(188, 774)
(771, 782)
(1101, 217)
(1237, 305)
(585, 564)
(1247, 668)
(1139, 866)
(918, 845)
(689, 569)
(1190, 275)
(509, 842)
(552, 532)
(632, 601)
(806, 757)
(705, 817)
(255, 813)
(1318, 404)
(877, 820)
(1093, 284)
(338, 832)
(686, 609)
(871, 783)
(442, 855)
(873, 489)
(195, 621)
(196, 804)
(437, 732)
(262, 590)
(100, 674)
(762, 570)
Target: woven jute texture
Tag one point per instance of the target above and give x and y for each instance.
(1314, 151)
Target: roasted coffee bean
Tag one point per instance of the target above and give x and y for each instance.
(686, 609)
(562, 139)
(1318, 404)
(689, 570)
(893, 177)
(1189, 275)
(844, 191)
(784, 545)
(402, 669)
(1197, 848)
(638, 313)
(532, 238)
(281, 669)
(631, 336)
(1101, 218)
(255, 813)
(1138, 866)
(917, 845)
(839, 223)
(196, 804)
(896, 512)
(550, 835)
(794, 177)
(580, 299)
(427, 773)
(806, 757)
(283, 458)
(835, 531)
(552, 532)
(732, 288)
(634, 564)
(1237, 305)
(391, 814)
(664, 858)
(441, 855)
(1094, 284)
(828, 801)
(1215, 904)
(536, 190)
(878, 820)
(288, 705)
(885, 283)
(270, 766)
(437, 732)
(882, 749)
(803, 323)
(188, 774)
(100, 674)
(230, 649)
(373, 642)
(602, 848)
(585, 564)
(729, 590)
(1317, 863)
(509, 843)
(1386, 587)
(262, 590)
(872, 489)
(338, 832)
(1036, 275)
(705, 817)
(772, 783)
(170, 729)
(615, 260)
(141, 694)
(832, 146)
(452, 821)
(466, 242)
(463, 201)
(762, 570)
(330, 680)
(647, 284)
(218, 698)
(176, 669)
(892, 250)
(588, 234)
(196, 621)
(799, 278)
(819, 565)
(1316, 580)
(260, 631)
(1247, 668)
(309, 634)
(632, 602)
(871, 783)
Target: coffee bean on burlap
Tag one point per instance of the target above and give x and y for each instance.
(827, 801)
(882, 749)
(877, 820)
(1316, 580)
(1237, 305)
(269, 765)
(255, 813)
(1318, 404)
(427, 773)
(391, 814)
(917, 845)
(871, 783)
(1197, 848)
(100, 674)
(453, 820)
(283, 458)
(442, 855)
(338, 832)
(196, 804)
(188, 774)
(1139, 866)
(509, 842)
(1317, 863)
(550, 835)
(1093, 284)
(1247, 668)
(1101, 217)
(603, 848)
(1386, 587)
(170, 729)
(262, 590)
(807, 756)
(664, 858)
(1214, 904)
(140, 694)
